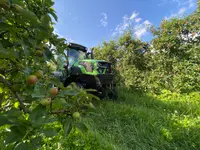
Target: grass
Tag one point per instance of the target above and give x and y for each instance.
(137, 121)
(143, 122)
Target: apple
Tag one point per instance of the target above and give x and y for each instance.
(32, 79)
(39, 74)
(46, 101)
(53, 91)
(76, 115)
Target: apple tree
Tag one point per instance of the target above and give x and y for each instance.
(30, 107)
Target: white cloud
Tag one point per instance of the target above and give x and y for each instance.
(184, 5)
(140, 32)
(177, 14)
(181, 11)
(141, 29)
(138, 19)
(191, 3)
(147, 22)
(132, 23)
(104, 20)
(180, 3)
(133, 15)
(69, 39)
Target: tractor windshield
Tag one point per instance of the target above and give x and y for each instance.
(74, 55)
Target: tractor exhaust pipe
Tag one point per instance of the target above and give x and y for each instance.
(92, 53)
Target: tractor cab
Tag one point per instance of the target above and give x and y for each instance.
(76, 52)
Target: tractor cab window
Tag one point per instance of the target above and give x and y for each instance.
(75, 55)
(61, 61)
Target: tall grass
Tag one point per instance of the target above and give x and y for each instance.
(137, 121)
(167, 121)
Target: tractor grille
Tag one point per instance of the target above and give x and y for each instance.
(104, 67)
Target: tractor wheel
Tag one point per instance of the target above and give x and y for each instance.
(101, 93)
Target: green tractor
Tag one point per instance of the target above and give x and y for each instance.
(82, 69)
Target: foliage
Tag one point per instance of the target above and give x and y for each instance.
(30, 109)
(170, 62)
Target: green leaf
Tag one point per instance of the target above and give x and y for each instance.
(4, 26)
(36, 142)
(56, 82)
(48, 54)
(59, 103)
(67, 127)
(52, 12)
(21, 146)
(90, 90)
(50, 120)
(45, 20)
(82, 127)
(27, 15)
(7, 53)
(69, 92)
(49, 3)
(4, 120)
(49, 132)
(12, 137)
(39, 92)
(15, 135)
(37, 113)
(6, 43)
(43, 121)
(93, 96)
(19, 2)
(14, 113)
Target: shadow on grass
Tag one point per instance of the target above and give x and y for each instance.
(145, 122)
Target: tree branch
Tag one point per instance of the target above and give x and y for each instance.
(7, 83)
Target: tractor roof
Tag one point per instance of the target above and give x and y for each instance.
(77, 46)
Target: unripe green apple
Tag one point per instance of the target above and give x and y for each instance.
(76, 115)
(46, 101)
(39, 74)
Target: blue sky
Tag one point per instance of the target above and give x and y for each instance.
(89, 22)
